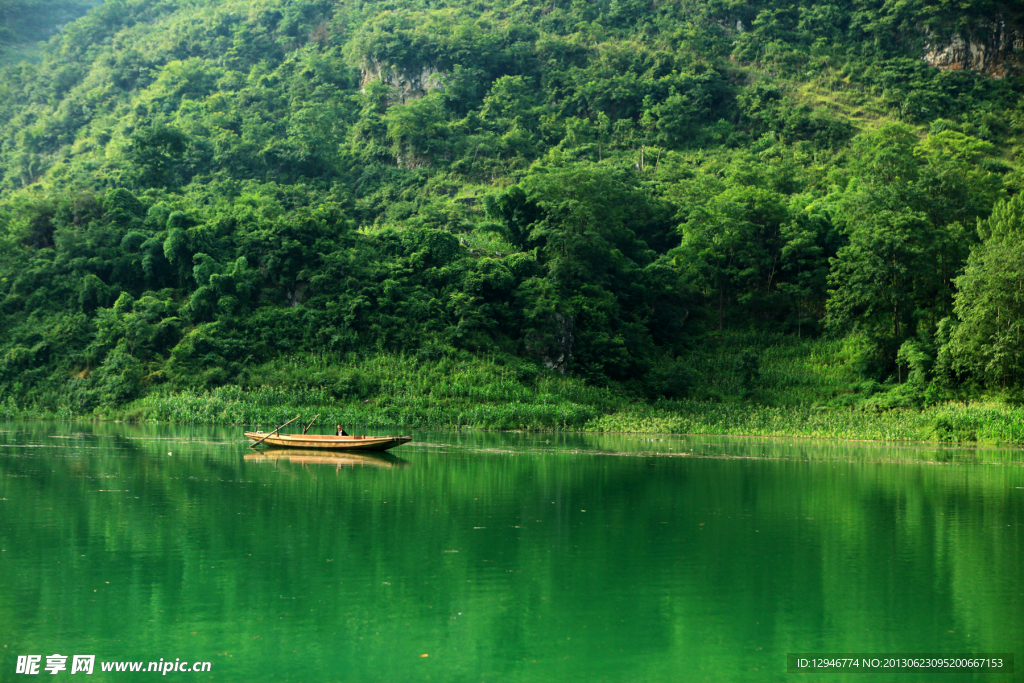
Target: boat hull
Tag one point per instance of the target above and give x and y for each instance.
(327, 442)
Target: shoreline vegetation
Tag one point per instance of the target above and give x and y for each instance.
(788, 388)
(988, 423)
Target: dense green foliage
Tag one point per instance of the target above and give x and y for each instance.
(190, 192)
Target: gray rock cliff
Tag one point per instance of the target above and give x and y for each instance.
(995, 48)
(409, 84)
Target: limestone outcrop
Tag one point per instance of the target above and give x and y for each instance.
(994, 48)
(409, 84)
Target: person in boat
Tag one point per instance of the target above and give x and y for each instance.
(341, 432)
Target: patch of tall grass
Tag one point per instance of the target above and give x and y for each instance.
(9, 410)
(792, 371)
(982, 423)
(269, 405)
(388, 390)
(437, 390)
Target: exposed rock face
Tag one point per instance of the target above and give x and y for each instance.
(993, 48)
(555, 348)
(409, 85)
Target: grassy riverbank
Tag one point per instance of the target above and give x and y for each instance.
(800, 388)
(979, 422)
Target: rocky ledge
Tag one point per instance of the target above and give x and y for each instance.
(994, 48)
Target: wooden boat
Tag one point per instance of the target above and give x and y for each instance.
(338, 459)
(327, 441)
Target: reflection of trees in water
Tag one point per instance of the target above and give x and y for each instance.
(666, 547)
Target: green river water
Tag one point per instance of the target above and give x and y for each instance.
(473, 556)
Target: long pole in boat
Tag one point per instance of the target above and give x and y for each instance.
(276, 430)
(306, 428)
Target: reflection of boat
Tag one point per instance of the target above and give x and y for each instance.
(337, 458)
(328, 441)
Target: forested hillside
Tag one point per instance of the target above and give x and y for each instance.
(193, 193)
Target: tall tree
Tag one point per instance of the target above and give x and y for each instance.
(875, 278)
(987, 341)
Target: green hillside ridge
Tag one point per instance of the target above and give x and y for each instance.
(704, 216)
(26, 25)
